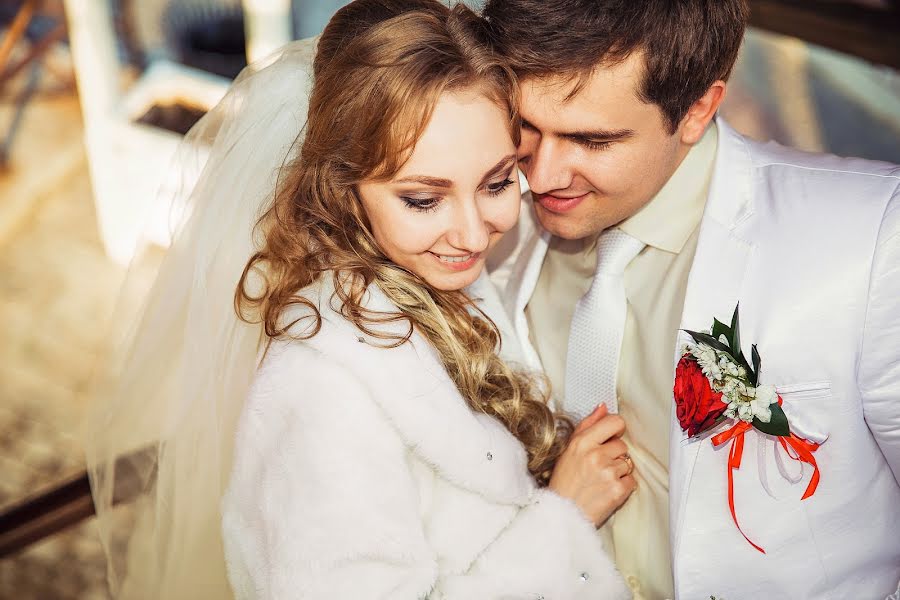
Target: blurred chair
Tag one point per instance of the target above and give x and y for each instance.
(129, 140)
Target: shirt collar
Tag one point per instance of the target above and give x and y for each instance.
(668, 221)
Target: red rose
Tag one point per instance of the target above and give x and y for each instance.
(696, 404)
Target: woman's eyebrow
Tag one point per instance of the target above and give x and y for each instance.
(499, 168)
(437, 182)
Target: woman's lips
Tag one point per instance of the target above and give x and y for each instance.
(455, 264)
(558, 204)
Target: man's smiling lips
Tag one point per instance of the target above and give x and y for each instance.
(558, 204)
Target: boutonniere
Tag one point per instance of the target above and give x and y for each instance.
(715, 383)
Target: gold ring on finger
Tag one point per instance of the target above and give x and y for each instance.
(628, 462)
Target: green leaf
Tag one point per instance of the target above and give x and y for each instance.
(757, 361)
(720, 328)
(705, 338)
(736, 334)
(778, 425)
(742, 360)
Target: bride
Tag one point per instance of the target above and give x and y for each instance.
(341, 425)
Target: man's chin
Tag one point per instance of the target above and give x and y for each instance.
(567, 226)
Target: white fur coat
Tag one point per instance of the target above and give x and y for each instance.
(360, 472)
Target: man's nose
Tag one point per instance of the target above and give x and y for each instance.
(545, 168)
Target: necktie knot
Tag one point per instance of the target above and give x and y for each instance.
(615, 249)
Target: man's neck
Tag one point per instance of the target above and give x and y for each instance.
(667, 221)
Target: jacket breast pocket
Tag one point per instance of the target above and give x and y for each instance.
(808, 407)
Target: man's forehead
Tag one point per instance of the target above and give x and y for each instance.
(623, 77)
(557, 87)
(608, 92)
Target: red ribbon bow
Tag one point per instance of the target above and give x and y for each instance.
(804, 453)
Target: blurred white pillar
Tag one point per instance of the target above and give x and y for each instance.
(267, 26)
(94, 55)
(130, 163)
(93, 43)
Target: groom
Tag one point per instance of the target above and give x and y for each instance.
(647, 216)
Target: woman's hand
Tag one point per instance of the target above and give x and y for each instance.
(594, 471)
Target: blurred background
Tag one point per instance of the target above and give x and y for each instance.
(95, 96)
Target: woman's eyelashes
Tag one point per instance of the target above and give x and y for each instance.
(421, 204)
(495, 189)
(431, 203)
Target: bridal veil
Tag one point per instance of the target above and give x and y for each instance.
(168, 398)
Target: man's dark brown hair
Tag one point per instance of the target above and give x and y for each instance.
(687, 44)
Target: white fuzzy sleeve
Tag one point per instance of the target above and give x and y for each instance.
(879, 364)
(549, 551)
(322, 504)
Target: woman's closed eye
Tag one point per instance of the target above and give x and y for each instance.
(497, 188)
(425, 204)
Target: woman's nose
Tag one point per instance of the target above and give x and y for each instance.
(469, 231)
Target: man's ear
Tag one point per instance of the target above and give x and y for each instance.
(702, 112)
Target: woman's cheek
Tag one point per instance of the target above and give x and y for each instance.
(508, 211)
(417, 233)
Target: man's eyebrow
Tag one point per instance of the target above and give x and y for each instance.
(504, 164)
(597, 135)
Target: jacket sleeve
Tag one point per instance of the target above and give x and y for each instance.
(879, 366)
(549, 551)
(322, 503)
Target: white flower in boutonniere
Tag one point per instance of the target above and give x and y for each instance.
(762, 401)
(708, 360)
(715, 382)
(727, 376)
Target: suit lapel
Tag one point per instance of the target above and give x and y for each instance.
(714, 289)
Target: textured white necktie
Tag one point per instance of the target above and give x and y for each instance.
(595, 338)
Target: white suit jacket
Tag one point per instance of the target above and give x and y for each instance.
(361, 473)
(810, 247)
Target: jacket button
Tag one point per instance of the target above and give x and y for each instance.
(584, 576)
(490, 456)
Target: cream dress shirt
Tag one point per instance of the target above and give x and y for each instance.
(655, 283)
